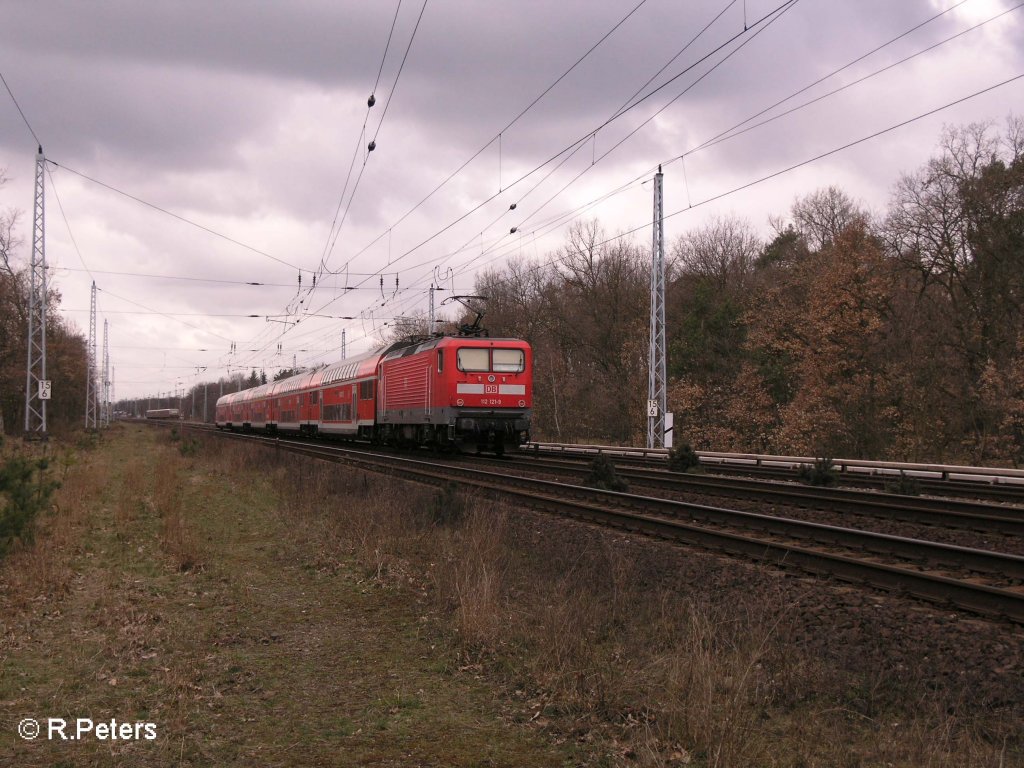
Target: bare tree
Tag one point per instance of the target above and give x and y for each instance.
(9, 241)
(722, 251)
(822, 216)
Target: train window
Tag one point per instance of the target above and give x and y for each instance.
(440, 361)
(474, 359)
(509, 360)
(313, 398)
(366, 390)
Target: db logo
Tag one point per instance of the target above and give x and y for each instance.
(490, 389)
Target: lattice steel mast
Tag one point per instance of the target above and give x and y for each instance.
(657, 381)
(35, 372)
(90, 378)
(105, 408)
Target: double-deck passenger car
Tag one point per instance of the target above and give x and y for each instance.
(446, 392)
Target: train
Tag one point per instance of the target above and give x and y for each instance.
(447, 392)
(163, 413)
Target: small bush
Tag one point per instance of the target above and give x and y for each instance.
(603, 476)
(447, 506)
(683, 458)
(822, 474)
(189, 446)
(904, 485)
(86, 441)
(28, 490)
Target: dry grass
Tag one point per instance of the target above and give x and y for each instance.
(587, 645)
(665, 674)
(40, 572)
(278, 650)
(473, 574)
(176, 536)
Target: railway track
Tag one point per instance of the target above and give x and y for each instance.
(979, 581)
(977, 516)
(940, 481)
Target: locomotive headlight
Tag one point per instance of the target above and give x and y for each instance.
(460, 401)
(522, 403)
(491, 378)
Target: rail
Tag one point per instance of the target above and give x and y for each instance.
(991, 475)
(715, 528)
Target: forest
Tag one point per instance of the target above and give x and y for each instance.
(883, 335)
(846, 333)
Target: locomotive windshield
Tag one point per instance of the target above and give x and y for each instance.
(508, 360)
(476, 360)
(471, 359)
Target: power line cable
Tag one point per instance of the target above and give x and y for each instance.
(782, 7)
(650, 118)
(752, 31)
(387, 45)
(494, 138)
(173, 215)
(67, 224)
(733, 132)
(790, 168)
(202, 279)
(373, 143)
(820, 156)
(20, 111)
(728, 133)
(164, 314)
(359, 140)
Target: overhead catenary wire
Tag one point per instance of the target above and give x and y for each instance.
(586, 136)
(726, 134)
(67, 225)
(21, 112)
(502, 246)
(359, 139)
(733, 131)
(164, 314)
(511, 123)
(780, 8)
(223, 281)
(790, 168)
(586, 169)
(491, 141)
(373, 142)
(173, 215)
(768, 17)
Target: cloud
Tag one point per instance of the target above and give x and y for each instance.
(245, 118)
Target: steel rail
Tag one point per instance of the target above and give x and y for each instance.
(979, 598)
(950, 513)
(942, 471)
(942, 479)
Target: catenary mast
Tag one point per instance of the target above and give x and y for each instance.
(657, 384)
(37, 390)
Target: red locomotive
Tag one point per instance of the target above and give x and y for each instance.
(446, 392)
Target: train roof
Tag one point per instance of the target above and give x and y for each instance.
(350, 367)
(357, 367)
(402, 349)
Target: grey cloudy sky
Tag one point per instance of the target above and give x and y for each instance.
(244, 117)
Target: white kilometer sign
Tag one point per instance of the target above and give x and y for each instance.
(44, 389)
(652, 408)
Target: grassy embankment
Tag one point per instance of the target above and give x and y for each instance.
(266, 610)
(179, 590)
